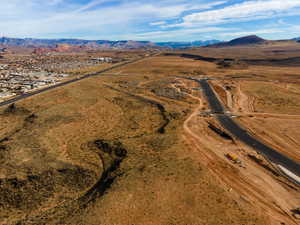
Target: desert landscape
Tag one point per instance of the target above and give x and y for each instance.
(136, 141)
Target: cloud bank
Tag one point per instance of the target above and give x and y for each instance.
(148, 20)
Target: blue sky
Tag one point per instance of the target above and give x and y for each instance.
(155, 20)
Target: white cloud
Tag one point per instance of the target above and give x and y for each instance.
(157, 23)
(180, 33)
(249, 10)
(43, 18)
(135, 19)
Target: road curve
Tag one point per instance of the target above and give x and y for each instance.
(236, 130)
(27, 95)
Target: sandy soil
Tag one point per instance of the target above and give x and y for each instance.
(111, 150)
(133, 147)
(258, 183)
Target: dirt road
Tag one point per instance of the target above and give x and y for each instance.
(255, 185)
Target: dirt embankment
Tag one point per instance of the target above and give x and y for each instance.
(251, 179)
(269, 110)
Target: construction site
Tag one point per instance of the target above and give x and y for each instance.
(150, 141)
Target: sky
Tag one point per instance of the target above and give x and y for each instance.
(153, 20)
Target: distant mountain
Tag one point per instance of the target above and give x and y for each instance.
(49, 44)
(186, 44)
(52, 43)
(248, 40)
(296, 39)
(61, 48)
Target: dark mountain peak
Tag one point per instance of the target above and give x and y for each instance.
(296, 39)
(251, 39)
(247, 40)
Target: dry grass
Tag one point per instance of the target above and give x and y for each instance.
(88, 70)
(168, 65)
(51, 155)
(273, 99)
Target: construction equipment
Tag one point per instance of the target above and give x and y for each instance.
(296, 212)
(233, 158)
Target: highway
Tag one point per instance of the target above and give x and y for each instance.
(236, 130)
(30, 94)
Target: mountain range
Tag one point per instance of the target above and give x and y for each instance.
(78, 44)
(124, 44)
(48, 43)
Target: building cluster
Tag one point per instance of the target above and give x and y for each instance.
(66, 65)
(15, 81)
(20, 74)
(103, 59)
(62, 63)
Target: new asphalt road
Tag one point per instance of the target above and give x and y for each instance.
(235, 129)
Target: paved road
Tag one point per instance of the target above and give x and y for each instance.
(235, 129)
(27, 95)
